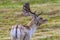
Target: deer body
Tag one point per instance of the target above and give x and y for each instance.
(23, 32)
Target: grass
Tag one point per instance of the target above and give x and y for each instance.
(15, 3)
(10, 14)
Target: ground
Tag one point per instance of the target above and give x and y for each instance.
(12, 14)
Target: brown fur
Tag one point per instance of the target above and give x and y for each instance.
(28, 27)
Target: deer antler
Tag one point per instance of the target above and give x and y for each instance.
(27, 11)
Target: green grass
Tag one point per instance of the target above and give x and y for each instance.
(52, 38)
(10, 14)
(14, 3)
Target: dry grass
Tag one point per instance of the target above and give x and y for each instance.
(11, 16)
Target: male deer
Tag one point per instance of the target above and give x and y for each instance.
(23, 32)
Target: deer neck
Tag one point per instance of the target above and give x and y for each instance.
(31, 24)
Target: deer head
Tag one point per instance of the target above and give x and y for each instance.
(37, 20)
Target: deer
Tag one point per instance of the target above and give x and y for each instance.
(25, 32)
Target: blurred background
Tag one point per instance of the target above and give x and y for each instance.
(11, 14)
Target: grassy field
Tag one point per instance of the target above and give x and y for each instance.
(11, 14)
